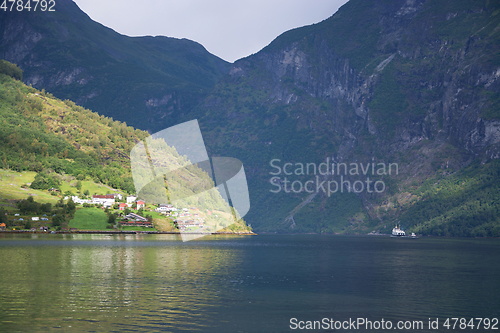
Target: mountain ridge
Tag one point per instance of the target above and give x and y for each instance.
(74, 57)
(412, 82)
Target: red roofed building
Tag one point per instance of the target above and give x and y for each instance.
(141, 204)
(103, 199)
(122, 206)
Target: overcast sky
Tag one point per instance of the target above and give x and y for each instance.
(230, 29)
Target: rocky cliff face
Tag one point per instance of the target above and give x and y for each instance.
(408, 82)
(68, 54)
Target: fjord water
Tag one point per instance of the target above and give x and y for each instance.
(150, 283)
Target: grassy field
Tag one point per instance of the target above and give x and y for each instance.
(10, 187)
(93, 188)
(89, 219)
(11, 182)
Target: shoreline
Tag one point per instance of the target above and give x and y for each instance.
(115, 232)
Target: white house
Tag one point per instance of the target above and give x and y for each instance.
(162, 208)
(131, 199)
(35, 218)
(108, 199)
(77, 200)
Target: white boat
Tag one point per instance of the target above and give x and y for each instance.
(397, 232)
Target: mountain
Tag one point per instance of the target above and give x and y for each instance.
(404, 92)
(75, 58)
(409, 83)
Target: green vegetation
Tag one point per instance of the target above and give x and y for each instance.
(47, 214)
(466, 203)
(332, 215)
(89, 219)
(44, 181)
(58, 145)
(40, 133)
(11, 70)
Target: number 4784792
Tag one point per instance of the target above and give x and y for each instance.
(28, 5)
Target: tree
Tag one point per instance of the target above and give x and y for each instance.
(46, 207)
(60, 203)
(78, 185)
(28, 206)
(70, 206)
(11, 70)
(57, 220)
(3, 216)
(45, 181)
(111, 218)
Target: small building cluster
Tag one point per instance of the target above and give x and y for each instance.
(135, 220)
(191, 225)
(108, 200)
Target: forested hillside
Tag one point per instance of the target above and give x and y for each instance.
(40, 132)
(53, 138)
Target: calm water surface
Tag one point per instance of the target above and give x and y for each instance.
(151, 283)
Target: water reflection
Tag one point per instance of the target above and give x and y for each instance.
(147, 283)
(99, 281)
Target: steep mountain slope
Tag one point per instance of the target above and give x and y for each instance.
(39, 132)
(409, 82)
(75, 58)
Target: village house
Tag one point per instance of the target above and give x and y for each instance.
(135, 220)
(2, 226)
(131, 199)
(136, 217)
(122, 206)
(77, 200)
(141, 204)
(182, 225)
(163, 208)
(105, 200)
